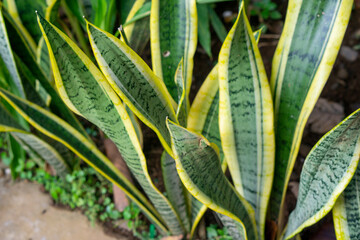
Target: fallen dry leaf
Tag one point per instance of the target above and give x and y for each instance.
(325, 116)
(294, 188)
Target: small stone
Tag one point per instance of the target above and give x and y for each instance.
(166, 53)
(348, 53)
(7, 171)
(343, 73)
(228, 16)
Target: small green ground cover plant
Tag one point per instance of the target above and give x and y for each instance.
(213, 232)
(83, 189)
(89, 192)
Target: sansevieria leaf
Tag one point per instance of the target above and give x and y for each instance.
(29, 84)
(34, 143)
(217, 24)
(204, 119)
(42, 54)
(86, 90)
(246, 118)
(13, 8)
(327, 171)
(175, 189)
(138, 32)
(173, 31)
(199, 168)
(22, 50)
(41, 148)
(135, 83)
(7, 56)
(204, 34)
(54, 127)
(346, 212)
(303, 60)
(182, 109)
(23, 13)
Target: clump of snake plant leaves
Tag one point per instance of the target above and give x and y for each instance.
(238, 119)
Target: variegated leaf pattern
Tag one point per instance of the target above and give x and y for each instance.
(138, 32)
(246, 118)
(182, 109)
(303, 60)
(8, 58)
(204, 119)
(175, 190)
(346, 212)
(42, 54)
(235, 230)
(54, 127)
(173, 33)
(45, 151)
(199, 168)
(204, 112)
(42, 58)
(135, 83)
(85, 89)
(327, 171)
(136, 124)
(22, 50)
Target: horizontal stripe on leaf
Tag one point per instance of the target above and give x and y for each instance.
(303, 60)
(92, 96)
(327, 171)
(346, 210)
(134, 82)
(54, 127)
(246, 118)
(200, 170)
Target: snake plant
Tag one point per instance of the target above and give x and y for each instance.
(238, 119)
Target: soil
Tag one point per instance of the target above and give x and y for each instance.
(27, 213)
